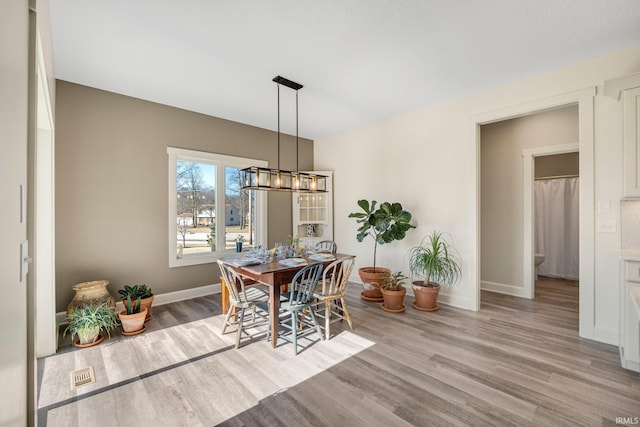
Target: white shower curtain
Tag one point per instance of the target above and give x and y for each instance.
(557, 226)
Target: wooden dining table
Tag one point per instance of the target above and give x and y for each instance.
(274, 275)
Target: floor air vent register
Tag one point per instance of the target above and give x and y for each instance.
(82, 377)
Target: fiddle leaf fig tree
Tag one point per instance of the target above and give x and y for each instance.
(385, 224)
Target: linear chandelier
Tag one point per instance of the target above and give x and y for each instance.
(258, 178)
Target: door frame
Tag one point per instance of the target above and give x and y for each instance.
(528, 157)
(586, 117)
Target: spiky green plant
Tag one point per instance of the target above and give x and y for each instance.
(394, 281)
(84, 321)
(434, 261)
(135, 291)
(130, 306)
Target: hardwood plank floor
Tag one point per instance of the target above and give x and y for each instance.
(515, 362)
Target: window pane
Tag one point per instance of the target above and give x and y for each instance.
(196, 214)
(239, 211)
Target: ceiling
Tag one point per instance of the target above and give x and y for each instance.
(359, 61)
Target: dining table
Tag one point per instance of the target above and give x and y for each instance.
(274, 274)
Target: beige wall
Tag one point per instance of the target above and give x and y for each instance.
(111, 186)
(426, 159)
(501, 186)
(557, 165)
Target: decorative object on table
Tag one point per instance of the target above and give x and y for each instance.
(239, 240)
(259, 178)
(435, 262)
(139, 291)
(393, 292)
(91, 293)
(311, 230)
(294, 247)
(384, 225)
(298, 317)
(132, 317)
(242, 298)
(331, 291)
(86, 322)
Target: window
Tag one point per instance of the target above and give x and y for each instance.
(204, 192)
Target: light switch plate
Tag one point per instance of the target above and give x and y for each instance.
(607, 226)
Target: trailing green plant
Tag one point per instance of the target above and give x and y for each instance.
(384, 225)
(435, 261)
(135, 291)
(131, 306)
(394, 281)
(87, 318)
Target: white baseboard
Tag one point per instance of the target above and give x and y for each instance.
(501, 288)
(607, 336)
(161, 299)
(629, 364)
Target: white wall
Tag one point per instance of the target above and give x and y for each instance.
(425, 159)
(13, 173)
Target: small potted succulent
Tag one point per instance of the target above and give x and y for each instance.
(132, 317)
(138, 291)
(86, 322)
(393, 292)
(435, 261)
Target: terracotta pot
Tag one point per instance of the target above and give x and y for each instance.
(146, 303)
(371, 281)
(393, 299)
(132, 323)
(426, 296)
(91, 293)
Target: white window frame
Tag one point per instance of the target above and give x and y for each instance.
(220, 161)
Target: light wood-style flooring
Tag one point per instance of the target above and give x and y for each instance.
(515, 362)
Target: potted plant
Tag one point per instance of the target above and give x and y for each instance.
(139, 291)
(393, 292)
(239, 239)
(435, 262)
(385, 224)
(132, 317)
(87, 321)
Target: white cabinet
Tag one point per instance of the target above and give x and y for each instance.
(630, 315)
(313, 214)
(631, 100)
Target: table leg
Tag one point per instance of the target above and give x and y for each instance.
(274, 311)
(224, 296)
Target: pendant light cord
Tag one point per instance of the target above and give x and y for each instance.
(297, 154)
(278, 126)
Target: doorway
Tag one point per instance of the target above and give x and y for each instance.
(584, 99)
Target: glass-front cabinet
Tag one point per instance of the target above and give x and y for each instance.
(313, 214)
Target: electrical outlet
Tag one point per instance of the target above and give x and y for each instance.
(606, 226)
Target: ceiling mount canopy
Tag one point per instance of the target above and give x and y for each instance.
(258, 178)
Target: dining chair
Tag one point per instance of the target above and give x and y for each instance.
(326, 246)
(330, 292)
(241, 298)
(297, 316)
